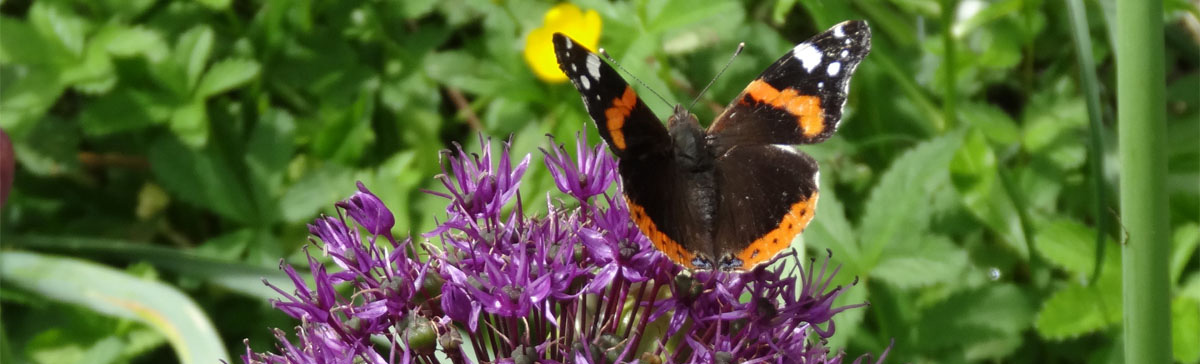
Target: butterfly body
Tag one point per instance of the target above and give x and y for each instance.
(735, 194)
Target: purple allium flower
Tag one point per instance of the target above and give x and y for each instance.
(589, 174)
(579, 284)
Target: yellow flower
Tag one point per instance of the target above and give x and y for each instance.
(562, 18)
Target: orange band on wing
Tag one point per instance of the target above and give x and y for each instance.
(779, 239)
(661, 241)
(616, 114)
(806, 108)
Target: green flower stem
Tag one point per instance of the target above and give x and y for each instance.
(1142, 134)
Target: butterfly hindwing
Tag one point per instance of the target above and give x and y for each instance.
(799, 98)
(763, 216)
(624, 121)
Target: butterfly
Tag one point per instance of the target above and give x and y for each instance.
(736, 194)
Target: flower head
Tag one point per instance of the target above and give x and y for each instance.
(579, 284)
(564, 18)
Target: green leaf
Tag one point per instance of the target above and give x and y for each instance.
(894, 212)
(50, 149)
(1184, 242)
(62, 30)
(933, 259)
(1078, 310)
(831, 230)
(1069, 245)
(115, 293)
(974, 173)
(782, 8)
(20, 43)
(125, 109)
(269, 149)
(124, 41)
(227, 75)
(682, 13)
(1185, 329)
(1055, 130)
(215, 4)
(27, 94)
(201, 178)
(996, 125)
(318, 189)
(191, 53)
(983, 323)
(190, 123)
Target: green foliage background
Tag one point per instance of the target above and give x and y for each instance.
(170, 152)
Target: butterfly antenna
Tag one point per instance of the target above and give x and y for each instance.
(741, 46)
(639, 81)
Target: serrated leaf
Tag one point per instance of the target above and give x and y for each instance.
(134, 41)
(123, 110)
(227, 75)
(163, 307)
(191, 53)
(1069, 245)
(974, 173)
(190, 124)
(203, 179)
(933, 259)
(59, 27)
(1078, 310)
(894, 210)
(976, 321)
(1185, 329)
(318, 189)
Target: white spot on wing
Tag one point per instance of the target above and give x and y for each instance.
(845, 53)
(574, 68)
(838, 32)
(587, 85)
(569, 43)
(834, 68)
(821, 85)
(786, 148)
(593, 66)
(808, 55)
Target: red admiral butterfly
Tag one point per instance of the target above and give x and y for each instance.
(734, 195)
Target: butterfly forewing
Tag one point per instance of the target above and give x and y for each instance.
(799, 98)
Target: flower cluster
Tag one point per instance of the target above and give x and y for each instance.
(579, 284)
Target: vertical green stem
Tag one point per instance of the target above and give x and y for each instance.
(1091, 93)
(1141, 126)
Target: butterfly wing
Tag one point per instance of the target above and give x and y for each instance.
(799, 98)
(764, 215)
(655, 188)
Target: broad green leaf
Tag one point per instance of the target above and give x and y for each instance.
(227, 75)
(831, 230)
(242, 278)
(190, 123)
(1191, 286)
(461, 70)
(1069, 245)
(191, 53)
(118, 294)
(269, 149)
(61, 29)
(994, 123)
(347, 132)
(318, 189)
(20, 43)
(215, 4)
(27, 93)
(125, 109)
(134, 41)
(974, 173)
(201, 178)
(932, 259)
(1077, 310)
(982, 323)
(896, 209)
(1055, 131)
(781, 9)
(93, 74)
(682, 13)
(1185, 329)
